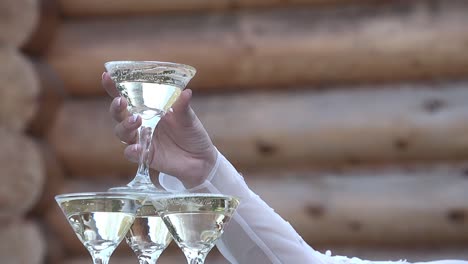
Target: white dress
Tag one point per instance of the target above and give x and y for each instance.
(256, 234)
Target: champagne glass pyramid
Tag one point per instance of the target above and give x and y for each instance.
(100, 220)
(196, 221)
(150, 88)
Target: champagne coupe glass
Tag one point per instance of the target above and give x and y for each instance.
(100, 220)
(196, 221)
(150, 88)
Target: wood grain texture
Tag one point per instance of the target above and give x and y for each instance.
(384, 208)
(23, 243)
(49, 20)
(54, 178)
(411, 40)
(346, 125)
(89, 8)
(92, 150)
(49, 99)
(19, 89)
(22, 174)
(18, 18)
(343, 125)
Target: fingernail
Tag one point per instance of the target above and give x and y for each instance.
(103, 74)
(119, 101)
(134, 118)
(135, 148)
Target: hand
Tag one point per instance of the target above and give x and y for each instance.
(181, 145)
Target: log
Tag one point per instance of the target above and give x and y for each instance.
(53, 182)
(345, 125)
(417, 206)
(19, 90)
(303, 3)
(213, 42)
(49, 100)
(395, 123)
(88, 8)
(386, 208)
(140, 7)
(18, 18)
(44, 31)
(22, 243)
(21, 174)
(274, 49)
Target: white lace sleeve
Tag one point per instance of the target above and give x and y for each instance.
(257, 234)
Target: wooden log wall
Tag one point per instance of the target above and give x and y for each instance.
(281, 48)
(25, 158)
(348, 117)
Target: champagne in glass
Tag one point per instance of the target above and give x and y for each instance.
(196, 221)
(148, 236)
(150, 88)
(100, 220)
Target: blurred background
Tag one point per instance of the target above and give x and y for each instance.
(350, 118)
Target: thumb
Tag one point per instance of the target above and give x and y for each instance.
(182, 112)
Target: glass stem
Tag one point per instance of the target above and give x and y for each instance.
(196, 260)
(142, 178)
(146, 260)
(102, 256)
(98, 260)
(195, 257)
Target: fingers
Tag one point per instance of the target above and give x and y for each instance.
(132, 153)
(109, 85)
(118, 109)
(126, 130)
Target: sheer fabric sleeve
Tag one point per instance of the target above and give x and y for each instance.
(256, 234)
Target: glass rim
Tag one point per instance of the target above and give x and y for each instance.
(175, 65)
(99, 194)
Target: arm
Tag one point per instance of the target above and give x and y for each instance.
(256, 234)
